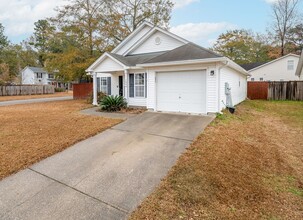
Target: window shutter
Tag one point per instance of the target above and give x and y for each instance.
(98, 84)
(109, 85)
(145, 84)
(131, 85)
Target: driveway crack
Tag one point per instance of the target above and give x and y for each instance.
(83, 193)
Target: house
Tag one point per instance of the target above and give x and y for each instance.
(281, 69)
(39, 76)
(36, 76)
(161, 71)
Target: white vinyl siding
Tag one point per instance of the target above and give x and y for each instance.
(237, 83)
(212, 90)
(109, 65)
(150, 46)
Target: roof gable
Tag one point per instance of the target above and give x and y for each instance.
(106, 63)
(131, 39)
(156, 40)
(274, 61)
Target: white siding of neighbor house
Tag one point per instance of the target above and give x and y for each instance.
(108, 65)
(149, 45)
(238, 84)
(28, 77)
(276, 71)
(133, 40)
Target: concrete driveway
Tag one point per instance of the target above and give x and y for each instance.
(29, 101)
(104, 177)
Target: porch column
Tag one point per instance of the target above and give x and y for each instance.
(95, 102)
(126, 85)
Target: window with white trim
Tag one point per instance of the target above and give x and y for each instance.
(139, 85)
(261, 79)
(39, 75)
(252, 79)
(103, 84)
(290, 65)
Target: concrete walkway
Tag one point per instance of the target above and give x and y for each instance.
(28, 101)
(103, 177)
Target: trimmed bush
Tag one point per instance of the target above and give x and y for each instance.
(60, 90)
(113, 103)
(100, 96)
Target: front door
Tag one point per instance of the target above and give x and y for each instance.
(120, 85)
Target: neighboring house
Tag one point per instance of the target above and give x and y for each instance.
(36, 76)
(156, 69)
(281, 69)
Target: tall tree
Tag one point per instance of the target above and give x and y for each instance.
(242, 46)
(131, 13)
(285, 17)
(42, 34)
(3, 39)
(295, 38)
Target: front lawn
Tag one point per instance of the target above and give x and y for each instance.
(32, 132)
(244, 166)
(23, 97)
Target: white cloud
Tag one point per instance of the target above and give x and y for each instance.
(183, 3)
(202, 33)
(18, 16)
(271, 1)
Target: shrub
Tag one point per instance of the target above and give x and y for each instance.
(100, 96)
(59, 89)
(113, 103)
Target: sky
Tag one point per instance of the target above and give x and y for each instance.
(200, 21)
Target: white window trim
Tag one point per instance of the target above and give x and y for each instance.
(105, 86)
(292, 65)
(135, 96)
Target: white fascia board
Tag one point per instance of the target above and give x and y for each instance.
(150, 33)
(182, 62)
(98, 61)
(131, 35)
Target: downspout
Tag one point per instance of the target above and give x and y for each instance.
(219, 84)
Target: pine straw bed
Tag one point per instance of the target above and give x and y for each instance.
(32, 132)
(245, 166)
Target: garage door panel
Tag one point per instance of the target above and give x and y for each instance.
(182, 91)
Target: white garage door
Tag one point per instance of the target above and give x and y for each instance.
(181, 91)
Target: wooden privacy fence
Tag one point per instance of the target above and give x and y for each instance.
(82, 90)
(26, 90)
(292, 90)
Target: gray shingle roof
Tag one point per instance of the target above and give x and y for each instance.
(133, 60)
(37, 69)
(250, 66)
(188, 51)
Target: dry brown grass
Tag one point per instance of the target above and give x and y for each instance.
(32, 132)
(246, 166)
(23, 97)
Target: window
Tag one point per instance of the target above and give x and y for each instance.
(39, 75)
(290, 65)
(252, 79)
(261, 79)
(139, 85)
(50, 76)
(103, 84)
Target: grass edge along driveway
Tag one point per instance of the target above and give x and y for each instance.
(244, 166)
(32, 132)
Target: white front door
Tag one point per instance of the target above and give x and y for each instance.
(182, 91)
